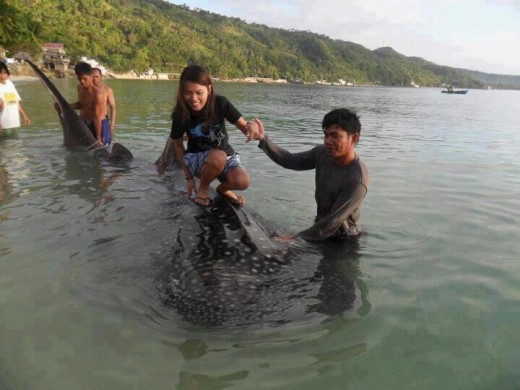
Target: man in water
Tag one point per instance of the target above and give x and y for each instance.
(341, 177)
(92, 102)
(97, 77)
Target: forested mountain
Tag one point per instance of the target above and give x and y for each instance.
(499, 81)
(140, 34)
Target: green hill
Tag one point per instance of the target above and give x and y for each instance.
(140, 34)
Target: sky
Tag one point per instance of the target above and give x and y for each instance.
(478, 35)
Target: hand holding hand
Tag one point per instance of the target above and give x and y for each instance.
(255, 130)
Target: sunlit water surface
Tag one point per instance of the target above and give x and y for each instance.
(436, 275)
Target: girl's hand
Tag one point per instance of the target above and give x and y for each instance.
(192, 186)
(250, 130)
(160, 165)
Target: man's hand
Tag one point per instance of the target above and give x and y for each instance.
(255, 129)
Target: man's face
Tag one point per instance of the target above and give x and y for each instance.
(96, 77)
(338, 142)
(85, 80)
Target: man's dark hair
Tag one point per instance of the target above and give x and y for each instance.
(3, 66)
(344, 118)
(82, 68)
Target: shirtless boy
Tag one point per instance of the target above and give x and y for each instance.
(97, 77)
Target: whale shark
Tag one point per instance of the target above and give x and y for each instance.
(220, 266)
(76, 134)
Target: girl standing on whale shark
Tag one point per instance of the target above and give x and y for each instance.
(200, 115)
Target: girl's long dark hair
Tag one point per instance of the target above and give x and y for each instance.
(198, 75)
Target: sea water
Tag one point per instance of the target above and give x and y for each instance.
(438, 272)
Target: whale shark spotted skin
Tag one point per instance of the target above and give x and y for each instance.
(221, 269)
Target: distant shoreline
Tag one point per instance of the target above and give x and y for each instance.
(22, 78)
(23, 72)
(17, 78)
(133, 76)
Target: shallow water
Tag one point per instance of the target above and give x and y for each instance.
(435, 279)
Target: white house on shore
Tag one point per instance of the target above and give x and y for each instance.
(54, 57)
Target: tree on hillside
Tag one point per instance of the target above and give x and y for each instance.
(18, 32)
(142, 34)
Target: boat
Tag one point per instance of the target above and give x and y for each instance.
(459, 91)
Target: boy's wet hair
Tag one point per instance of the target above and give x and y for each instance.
(82, 68)
(344, 118)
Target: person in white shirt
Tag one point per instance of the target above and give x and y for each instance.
(10, 106)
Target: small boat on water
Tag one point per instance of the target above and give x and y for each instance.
(457, 91)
